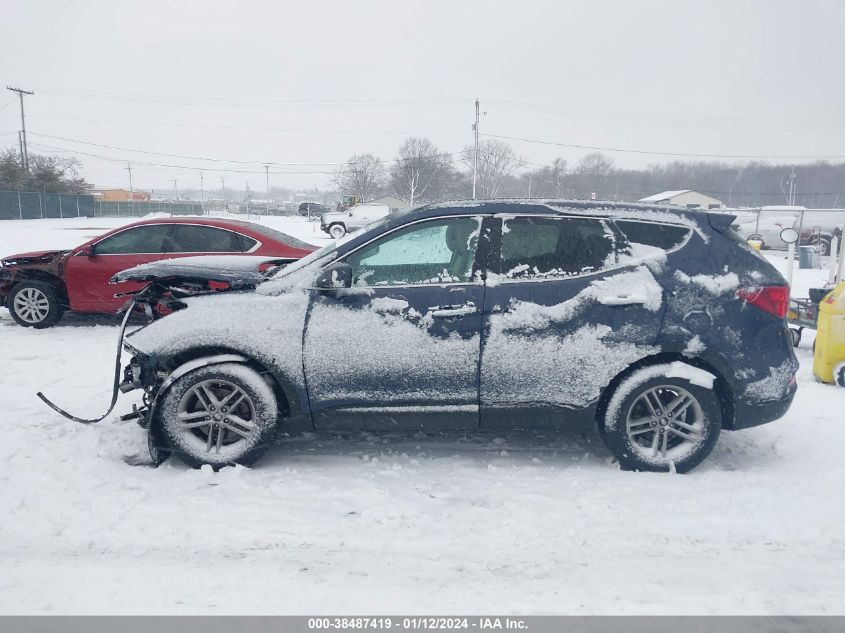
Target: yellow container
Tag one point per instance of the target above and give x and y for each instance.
(829, 356)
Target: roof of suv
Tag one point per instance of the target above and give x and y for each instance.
(694, 218)
(535, 205)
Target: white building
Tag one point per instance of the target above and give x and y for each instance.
(684, 198)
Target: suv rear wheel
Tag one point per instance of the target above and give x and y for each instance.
(337, 231)
(35, 304)
(661, 418)
(219, 415)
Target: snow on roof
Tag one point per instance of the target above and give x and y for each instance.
(664, 195)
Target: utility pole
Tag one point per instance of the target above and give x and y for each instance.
(175, 190)
(267, 175)
(24, 151)
(202, 195)
(475, 154)
(131, 190)
(792, 187)
(223, 188)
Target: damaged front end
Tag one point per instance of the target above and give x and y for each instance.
(166, 283)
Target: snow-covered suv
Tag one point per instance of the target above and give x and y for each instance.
(654, 323)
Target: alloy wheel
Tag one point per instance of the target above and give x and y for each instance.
(216, 415)
(31, 305)
(665, 423)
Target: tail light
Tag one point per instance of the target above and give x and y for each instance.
(771, 299)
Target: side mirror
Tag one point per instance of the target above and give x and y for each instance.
(789, 236)
(88, 250)
(338, 275)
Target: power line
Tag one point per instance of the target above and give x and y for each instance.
(169, 166)
(230, 161)
(247, 103)
(653, 153)
(246, 127)
(678, 120)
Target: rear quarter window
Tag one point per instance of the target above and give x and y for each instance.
(648, 236)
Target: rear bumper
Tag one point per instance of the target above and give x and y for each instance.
(748, 414)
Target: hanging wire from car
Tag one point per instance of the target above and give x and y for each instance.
(129, 307)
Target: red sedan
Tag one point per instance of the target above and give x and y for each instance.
(39, 287)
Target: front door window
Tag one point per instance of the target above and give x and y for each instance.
(433, 252)
(142, 239)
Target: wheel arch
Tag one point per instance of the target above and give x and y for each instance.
(184, 362)
(721, 386)
(28, 274)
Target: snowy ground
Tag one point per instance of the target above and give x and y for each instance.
(397, 523)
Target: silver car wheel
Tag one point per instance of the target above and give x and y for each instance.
(216, 415)
(665, 423)
(31, 305)
(337, 231)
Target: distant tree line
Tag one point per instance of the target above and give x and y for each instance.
(422, 173)
(51, 174)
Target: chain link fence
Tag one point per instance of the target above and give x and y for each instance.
(135, 209)
(28, 205)
(34, 205)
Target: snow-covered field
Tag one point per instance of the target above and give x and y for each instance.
(397, 523)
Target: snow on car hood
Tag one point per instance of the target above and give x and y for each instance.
(267, 328)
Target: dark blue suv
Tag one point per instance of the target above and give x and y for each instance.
(656, 324)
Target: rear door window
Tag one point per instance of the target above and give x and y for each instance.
(196, 238)
(538, 248)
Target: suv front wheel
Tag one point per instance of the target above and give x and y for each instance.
(219, 415)
(663, 418)
(35, 304)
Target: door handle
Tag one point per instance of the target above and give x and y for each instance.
(452, 311)
(622, 300)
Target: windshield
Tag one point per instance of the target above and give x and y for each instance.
(329, 249)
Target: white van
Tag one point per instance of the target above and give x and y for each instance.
(338, 224)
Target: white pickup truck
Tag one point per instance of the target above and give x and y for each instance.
(339, 223)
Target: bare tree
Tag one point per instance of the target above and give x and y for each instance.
(555, 177)
(362, 175)
(593, 170)
(419, 172)
(496, 163)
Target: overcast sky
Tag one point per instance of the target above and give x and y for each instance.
(314, 82)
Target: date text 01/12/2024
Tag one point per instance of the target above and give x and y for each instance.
(417, 623)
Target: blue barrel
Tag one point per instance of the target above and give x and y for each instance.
(808, 257)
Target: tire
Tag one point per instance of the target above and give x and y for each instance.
(204, 391)
(337, 231)
(839, 374)
(35, 304)
(796, 336)
(636, 419)
(824, 246)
